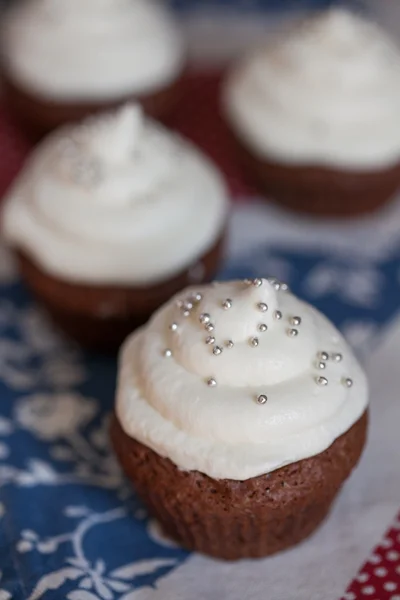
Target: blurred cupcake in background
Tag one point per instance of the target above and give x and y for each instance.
(112, 217)
(315, 115)
(65, 59)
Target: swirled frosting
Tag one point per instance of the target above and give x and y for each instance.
(326, 92)
(117, 199)
(238, 379)
(91, 49)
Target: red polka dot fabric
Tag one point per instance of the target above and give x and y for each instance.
(379, 578)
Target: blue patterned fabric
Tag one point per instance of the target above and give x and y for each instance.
(70, 526)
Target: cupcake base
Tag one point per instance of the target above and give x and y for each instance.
(319, 190)
(101, 317)
(38, 116)
(240, 519)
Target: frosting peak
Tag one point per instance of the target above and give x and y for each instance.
(325, 92)
(240, 323)
(116, 158)
(116, 137)
(335, 23)
(116, 199)
(237, 379)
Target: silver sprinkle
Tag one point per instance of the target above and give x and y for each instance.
(188, 305)
(262, 306)
(347, 382)
(257, 282)
(254, 342)
(209, 327)
(337, 357)
(262, 399)
(322, 381)
(321, 365)
(323, 355)
(262, 327)
(284, 287)
(296, 321)
(186, 313)
(173, 326)
(227, 304)
(205, 318)
(167, 353)
(211, 382)
(210, 340)
(229, 344)
(197, 297)
(292, 333)
(217, 350)
(275, 283)
(278, 315)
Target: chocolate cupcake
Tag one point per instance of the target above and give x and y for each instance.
(111, 218)
(314, 114)
(65, 60)
(240, 412)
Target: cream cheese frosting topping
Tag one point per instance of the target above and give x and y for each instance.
(92, 49)
(326, 92)
(117, 199)
(238, 379)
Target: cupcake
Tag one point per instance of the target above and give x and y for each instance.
(112, 217)
(315, 115)
(240, 412)
(65, 59)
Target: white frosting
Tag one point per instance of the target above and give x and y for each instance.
(92, 49)
(327, 92)
(118, 199)
(222, 430)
